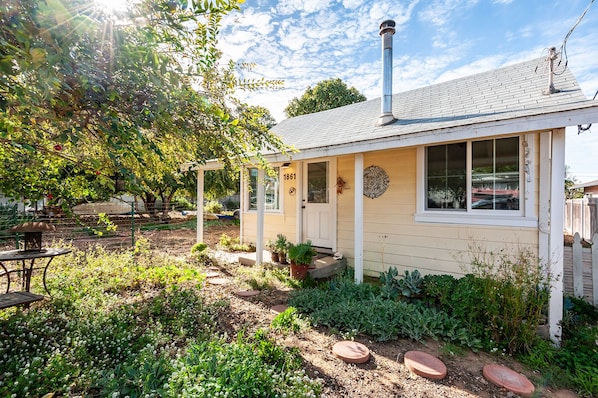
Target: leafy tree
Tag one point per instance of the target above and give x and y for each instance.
(571, 180)
(86, 96)
(327, 94)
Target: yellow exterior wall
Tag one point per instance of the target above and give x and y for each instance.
(393, 238)
(391, 235)
(275, 223)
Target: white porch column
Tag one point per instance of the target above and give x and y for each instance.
(261, 193)
(299, 201)
(557, 210)
(358, 227)
(200, 184)
(550, 221)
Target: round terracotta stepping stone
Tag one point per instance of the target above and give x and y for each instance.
(277, 309)
(218, 281)
(509, 379)
(351, 351)
(248, 293)
(425, 365)
(212, 274)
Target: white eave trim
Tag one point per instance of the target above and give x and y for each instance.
(209, 165)
(518, 125)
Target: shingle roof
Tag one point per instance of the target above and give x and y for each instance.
(511, 92)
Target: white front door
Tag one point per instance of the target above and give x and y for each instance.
(318, 216)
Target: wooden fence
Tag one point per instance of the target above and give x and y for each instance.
(581, 216)
(580, 277)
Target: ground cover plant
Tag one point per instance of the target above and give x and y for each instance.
(134, 323)
(497, 307)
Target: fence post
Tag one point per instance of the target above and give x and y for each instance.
(577, 266)
(133, 224)
(595, 268)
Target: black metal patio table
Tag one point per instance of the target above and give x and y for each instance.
(27, 260)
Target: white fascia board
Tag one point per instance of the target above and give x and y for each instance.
(208, 165)
(458, 133)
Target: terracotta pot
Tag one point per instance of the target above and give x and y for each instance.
(299, 271)
(275, 257)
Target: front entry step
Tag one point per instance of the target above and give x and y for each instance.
(322, 267)
(326, 267)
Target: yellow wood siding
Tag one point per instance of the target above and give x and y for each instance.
(275, 223)
(391, 236)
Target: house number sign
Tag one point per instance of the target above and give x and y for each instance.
(289, 176)
(375, 181)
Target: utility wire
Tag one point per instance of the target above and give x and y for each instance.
(563, 48)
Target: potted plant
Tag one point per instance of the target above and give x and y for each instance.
(281, 245)
(271, 246)
(300, 256)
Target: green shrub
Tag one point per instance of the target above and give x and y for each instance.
(361, 308)
(182, 203)
(233, 244)
(408, 286)
(245, 368)
(213, 207)
(507, 294)
(288, 321)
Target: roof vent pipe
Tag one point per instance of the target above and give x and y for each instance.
(387, 30)
(552, 55)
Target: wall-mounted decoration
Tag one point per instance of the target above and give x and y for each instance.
(375, 181)
(340, 184)
(292, 191)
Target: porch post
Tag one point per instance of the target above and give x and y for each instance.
(358, 227)
(200, 186)
(557, 205)
(261, 193)
(299, 202)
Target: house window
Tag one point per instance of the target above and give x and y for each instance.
(272, 189)
(471, 176)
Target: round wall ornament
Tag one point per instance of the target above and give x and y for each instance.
(375, 181)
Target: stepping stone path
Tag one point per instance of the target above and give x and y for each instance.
(508, 379)
(351, 351)
(212, 274)
(277, 309)
(425, 365)
(248, 293)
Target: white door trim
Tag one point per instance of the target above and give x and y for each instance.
(332, 198)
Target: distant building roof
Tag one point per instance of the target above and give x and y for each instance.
(504, 100)
(585, 185)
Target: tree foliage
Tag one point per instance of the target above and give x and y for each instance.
(86, 96)
(570, 181)
(327, 94)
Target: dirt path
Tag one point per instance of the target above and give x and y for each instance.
(384, 375)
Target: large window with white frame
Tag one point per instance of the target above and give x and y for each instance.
(272, 189)
(474, 176)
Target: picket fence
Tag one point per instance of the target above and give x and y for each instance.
(581, 270)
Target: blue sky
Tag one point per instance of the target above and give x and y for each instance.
(303, 42)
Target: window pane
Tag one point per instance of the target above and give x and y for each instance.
(495, 174)
(252, 189)
(446, 177)
(272, 190)
(317, 182)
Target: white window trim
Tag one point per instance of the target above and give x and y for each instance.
(280, 210)
(522, 218)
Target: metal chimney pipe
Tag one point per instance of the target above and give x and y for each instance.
(387, 30)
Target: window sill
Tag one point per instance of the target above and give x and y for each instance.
(501, 220)
(272, 212)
